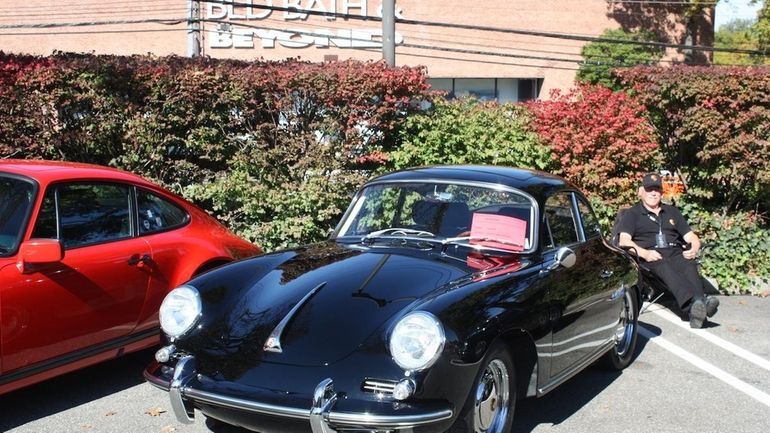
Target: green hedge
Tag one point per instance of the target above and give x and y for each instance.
(274, 149)
(714, 124)
(468, 131)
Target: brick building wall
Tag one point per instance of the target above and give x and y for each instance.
(497, 64)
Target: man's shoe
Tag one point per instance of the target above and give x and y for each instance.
(697, 313)
(712, 304)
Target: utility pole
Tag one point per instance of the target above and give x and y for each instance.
(389, 32)
(193, 28)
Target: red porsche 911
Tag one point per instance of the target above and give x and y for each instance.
(87, 254)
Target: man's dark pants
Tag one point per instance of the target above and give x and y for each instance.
(679, 274)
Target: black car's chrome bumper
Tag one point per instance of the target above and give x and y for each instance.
(321, 415)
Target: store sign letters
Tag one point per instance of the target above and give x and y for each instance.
(266, 27)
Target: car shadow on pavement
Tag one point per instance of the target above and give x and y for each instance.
(219, 427)
(569, 397)
(554, 408)
(72, 389)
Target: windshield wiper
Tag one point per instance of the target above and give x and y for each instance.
(466, 240)
(398, 231)
(402, 235)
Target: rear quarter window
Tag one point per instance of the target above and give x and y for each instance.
(157, 214)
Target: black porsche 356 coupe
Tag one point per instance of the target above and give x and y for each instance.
(443, 295)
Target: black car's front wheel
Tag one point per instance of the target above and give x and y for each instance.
(491, 403)
(620, 356)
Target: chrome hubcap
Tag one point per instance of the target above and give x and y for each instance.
(624, 331)
(491, 400)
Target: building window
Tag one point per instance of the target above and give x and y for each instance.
(482, 88)
(501, 89)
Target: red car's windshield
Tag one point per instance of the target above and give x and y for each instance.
(15, 202)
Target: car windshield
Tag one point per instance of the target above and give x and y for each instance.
(472, 214)
(15, 202)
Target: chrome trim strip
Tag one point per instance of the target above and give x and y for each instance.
(116, 345)
(273, 342)
(579, 336)
(247, 405)
(387, 421)
(564, 376)
(183, 372)
(334, 418)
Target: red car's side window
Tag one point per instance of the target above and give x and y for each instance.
(157, 214)
(87, 214)
(45, 226)
(15, 200)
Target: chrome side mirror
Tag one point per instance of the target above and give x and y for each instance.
(564, 257)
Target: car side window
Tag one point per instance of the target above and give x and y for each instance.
(87, 214)
(560, 220)
(591, 226)
(16, 197)
(157, 214)
(45, 226)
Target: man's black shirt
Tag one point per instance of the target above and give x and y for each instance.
(644, 225)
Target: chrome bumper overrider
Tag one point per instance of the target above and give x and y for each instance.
(321, 416)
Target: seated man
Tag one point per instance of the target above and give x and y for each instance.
(655, 231)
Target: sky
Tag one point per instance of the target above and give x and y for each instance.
(728, 10)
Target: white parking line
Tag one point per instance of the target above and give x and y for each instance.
(724, 344)
(709, 368)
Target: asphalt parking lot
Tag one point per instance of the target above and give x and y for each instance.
(712, 380)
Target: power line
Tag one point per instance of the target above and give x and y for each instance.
(165, 21)
(93, 32)
(94, 3)
(490, 28)
(470, 51)
(664, 2)
(491, 62)
(565, 36)
(112, 11)
(464, 43)
(405, 45)
(417, 34)
(426, 47)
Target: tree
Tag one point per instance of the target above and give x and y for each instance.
(601, 57)
(762, 27)
(737, 34)
(469, 131)
(601, 140)
(714, 124)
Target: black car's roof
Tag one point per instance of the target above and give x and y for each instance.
(531, 181)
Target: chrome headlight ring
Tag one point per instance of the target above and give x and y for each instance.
(417, 341)
(180, 311)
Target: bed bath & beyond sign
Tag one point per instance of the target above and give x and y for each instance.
(268, 35)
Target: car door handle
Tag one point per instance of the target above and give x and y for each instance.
(136, 259)
(606, 274)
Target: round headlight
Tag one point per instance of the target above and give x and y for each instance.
(180, 310)
(416, 341)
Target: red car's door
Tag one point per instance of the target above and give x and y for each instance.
(94, 295)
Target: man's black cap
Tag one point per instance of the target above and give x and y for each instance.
(652, 180)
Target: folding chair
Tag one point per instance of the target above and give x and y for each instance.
(651, 287)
